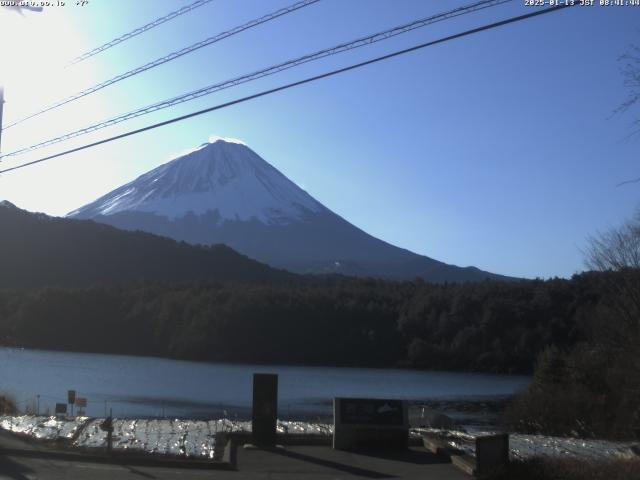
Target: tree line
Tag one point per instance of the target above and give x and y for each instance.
(487, 326)
(592, 388)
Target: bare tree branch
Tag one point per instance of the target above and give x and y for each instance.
(630, 71)
(618, 249)
(626, 182)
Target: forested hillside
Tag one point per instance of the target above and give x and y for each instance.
(489, 326)
(39, 251)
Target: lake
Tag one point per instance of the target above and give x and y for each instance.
(146, 386)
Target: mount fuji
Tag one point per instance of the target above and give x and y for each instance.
(223, 192)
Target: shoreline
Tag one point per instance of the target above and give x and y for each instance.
(398, 367)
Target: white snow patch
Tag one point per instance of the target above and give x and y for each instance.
(189, 438)
(212, 139)
(196, 438)
(46, 428)
(216, 138)
(529, 446)
(224, 176)
(185, 152)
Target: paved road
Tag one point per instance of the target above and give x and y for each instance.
(324, 463)
(294, 462)
(15, 468)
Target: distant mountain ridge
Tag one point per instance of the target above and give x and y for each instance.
(41, 251)
(223, 192)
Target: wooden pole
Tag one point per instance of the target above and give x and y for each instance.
(110, 432)
(1, 109)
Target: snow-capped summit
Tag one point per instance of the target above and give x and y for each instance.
(223, 175)
(223, 192)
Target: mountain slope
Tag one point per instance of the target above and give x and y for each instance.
(37, 250)
(223, 192)
(225, 176)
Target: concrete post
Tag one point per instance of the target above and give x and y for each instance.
(265, 408)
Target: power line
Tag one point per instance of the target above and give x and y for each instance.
(139, 30)
(363, 41)
(295, 84)
(169, 57)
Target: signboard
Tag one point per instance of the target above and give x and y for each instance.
(107, 424)
(61, 408)
(370, 423)
(71, 396)
(366, 411)
(265, 408)
(81, 402)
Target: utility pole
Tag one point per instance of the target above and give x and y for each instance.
(1, 108)
(110, 432)
(19, 9)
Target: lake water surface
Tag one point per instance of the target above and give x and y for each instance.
(145, 386)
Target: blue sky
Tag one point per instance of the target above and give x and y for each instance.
(497, 150)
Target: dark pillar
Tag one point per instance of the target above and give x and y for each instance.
(492, 453)
(265, 408)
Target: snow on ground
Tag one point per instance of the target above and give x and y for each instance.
(528, 446)
(192, 438)
(196, 438)
(46, 428)
(305, 428)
